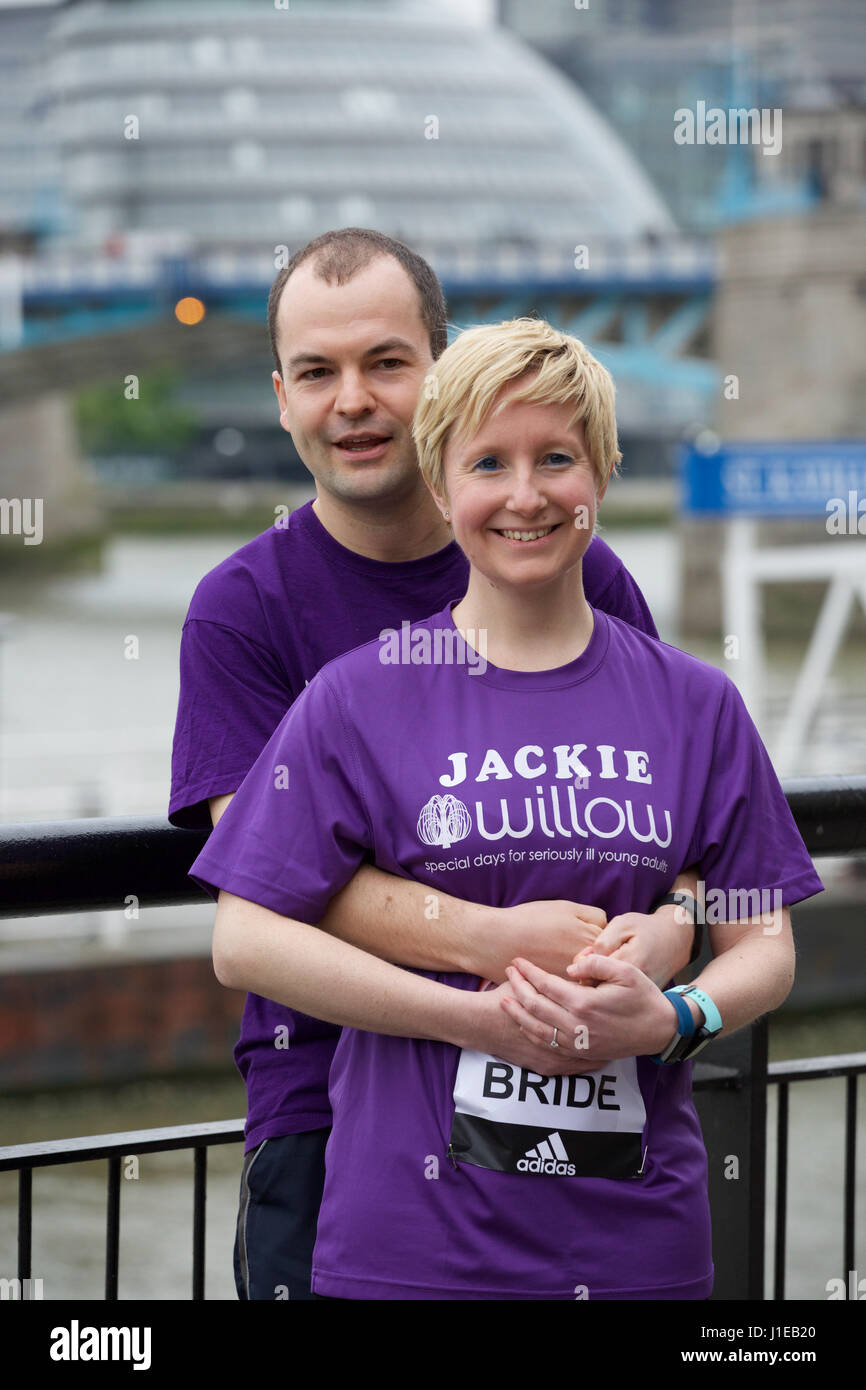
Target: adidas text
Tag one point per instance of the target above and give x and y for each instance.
(546, 1165)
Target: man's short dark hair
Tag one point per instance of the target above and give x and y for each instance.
(341, 254)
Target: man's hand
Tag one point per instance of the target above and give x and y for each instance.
(626, 1015)
(550, 933)
(658, 943)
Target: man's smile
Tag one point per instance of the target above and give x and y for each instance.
(363, 444)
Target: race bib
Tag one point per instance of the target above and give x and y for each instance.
(518, 1121)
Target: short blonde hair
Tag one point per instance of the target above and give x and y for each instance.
(460, 388)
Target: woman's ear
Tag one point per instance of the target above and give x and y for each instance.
(441, 503)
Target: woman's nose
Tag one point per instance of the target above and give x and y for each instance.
(526, 496)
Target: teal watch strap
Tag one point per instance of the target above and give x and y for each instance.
(712, 1017)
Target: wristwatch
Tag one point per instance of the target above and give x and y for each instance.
(690, 1038)
(689, 903)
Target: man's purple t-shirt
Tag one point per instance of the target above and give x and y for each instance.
(259, 627)
(453, 1175)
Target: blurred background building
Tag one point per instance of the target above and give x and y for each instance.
(148, 154)
(639, 59)
(180, 148)
(528, 151)
(273, 126)
(152, 152)
(152, 155)
(30, 175)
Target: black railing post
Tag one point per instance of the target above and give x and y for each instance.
(781, 1192)
(198, 1221)
(112, 1230)
(25, 1221)
(734, 1120)
(850, 1174)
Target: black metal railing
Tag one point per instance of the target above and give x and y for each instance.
(783, 1074)
(23, 1158)
(95, 864)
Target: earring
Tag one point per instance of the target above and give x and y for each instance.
(447, 516)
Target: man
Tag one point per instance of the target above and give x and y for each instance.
(356, 320)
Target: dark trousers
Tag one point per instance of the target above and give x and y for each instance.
(281, 1192)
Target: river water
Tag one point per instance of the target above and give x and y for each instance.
(88, 675)
(85, 729)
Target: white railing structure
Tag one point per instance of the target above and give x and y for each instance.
(747, 568)
(743, 483)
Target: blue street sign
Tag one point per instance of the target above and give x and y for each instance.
(781, 479)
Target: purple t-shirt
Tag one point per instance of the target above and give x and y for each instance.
(449, 1174)
(259, 627)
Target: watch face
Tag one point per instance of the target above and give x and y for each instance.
(699, 1041)
(679, 1052)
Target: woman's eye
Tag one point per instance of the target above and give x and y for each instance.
(488, 459)
(560, 458)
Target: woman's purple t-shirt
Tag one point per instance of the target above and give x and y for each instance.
(598, 782)
(259, 627)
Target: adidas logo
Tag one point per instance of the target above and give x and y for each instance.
(549, 1157)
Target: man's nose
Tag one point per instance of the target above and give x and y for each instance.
(353, 395)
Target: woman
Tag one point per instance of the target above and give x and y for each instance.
(524, 747)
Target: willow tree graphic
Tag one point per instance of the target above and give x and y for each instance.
(443, 821)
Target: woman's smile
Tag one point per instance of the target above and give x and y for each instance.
(533, 537)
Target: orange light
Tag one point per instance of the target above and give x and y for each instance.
(189, 311)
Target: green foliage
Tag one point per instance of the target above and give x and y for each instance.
(109, 422)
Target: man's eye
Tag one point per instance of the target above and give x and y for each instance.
(391, 362)
(311, 374)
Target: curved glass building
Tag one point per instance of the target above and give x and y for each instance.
(246, 126)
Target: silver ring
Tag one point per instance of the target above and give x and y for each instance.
(553, 1042)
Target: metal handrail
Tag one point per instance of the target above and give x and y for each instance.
(95, 864)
